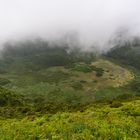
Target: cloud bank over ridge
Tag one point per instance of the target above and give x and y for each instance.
(95, 21)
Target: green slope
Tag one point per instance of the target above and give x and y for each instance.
(59, 94)
(69, 86)
(98, 121)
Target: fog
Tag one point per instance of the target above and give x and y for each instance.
(93, 21)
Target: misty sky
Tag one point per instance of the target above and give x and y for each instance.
(93, 20)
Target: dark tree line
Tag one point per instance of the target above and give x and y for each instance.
(38, 54)
(127, 52)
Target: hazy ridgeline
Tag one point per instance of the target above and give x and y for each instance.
(70, 48)
(126, 51)
(40, 53)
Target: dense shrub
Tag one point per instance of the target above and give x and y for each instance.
(135, 86)
(4, 81)
(116, 104)
(99, 71)
(77, 85)
(83, 68)
(125, 96)
(8, 98)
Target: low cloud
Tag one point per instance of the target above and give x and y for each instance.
(94, 21)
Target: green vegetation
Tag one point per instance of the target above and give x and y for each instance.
(98, 121)
(54, 93)
(89, 68)
(8, 98)
(4, 81)
(127, 52)
(83, 68)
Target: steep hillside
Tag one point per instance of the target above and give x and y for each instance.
(127, 52)
(68, 85)
(57, 93)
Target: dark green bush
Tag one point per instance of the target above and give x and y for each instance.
(99, 71)
(135, 86)
(125, 96)
(4, 81)
(116, 104)
(83, 68)
(77, 85)
(8, 98)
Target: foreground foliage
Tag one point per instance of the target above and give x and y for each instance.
(98, 121)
